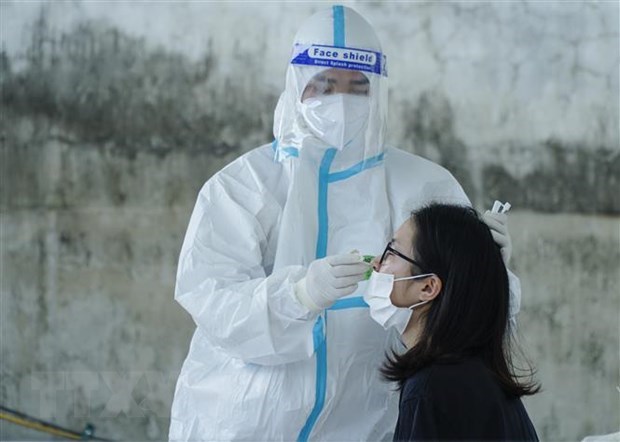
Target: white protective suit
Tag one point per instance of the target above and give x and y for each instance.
(261, 366)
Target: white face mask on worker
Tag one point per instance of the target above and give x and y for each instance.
(382, 310)
(336, 119)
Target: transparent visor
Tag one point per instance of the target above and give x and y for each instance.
(337, 81)
(334, 98)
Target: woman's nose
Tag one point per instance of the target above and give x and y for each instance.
(375, 264)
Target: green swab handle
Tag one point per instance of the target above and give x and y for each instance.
(368, 259)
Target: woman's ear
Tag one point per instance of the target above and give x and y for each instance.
(431, 287)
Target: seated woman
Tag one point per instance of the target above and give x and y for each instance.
(456, 378)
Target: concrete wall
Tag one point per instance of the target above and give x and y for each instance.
(115, 113)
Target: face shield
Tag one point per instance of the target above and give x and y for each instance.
(336, 89)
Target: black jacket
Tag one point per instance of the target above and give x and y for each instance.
(460, 401)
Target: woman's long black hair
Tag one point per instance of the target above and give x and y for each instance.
(469, 317)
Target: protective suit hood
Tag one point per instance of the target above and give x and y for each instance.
(334, 38)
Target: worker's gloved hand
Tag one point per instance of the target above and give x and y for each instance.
(329, 279)
(498, 223)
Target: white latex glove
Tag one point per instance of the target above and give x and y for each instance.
(329, 279)
(498, 223)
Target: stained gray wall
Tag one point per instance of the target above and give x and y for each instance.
(115, 113)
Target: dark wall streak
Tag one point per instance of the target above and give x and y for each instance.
(565, 178)
(571, 179)
(105, 87)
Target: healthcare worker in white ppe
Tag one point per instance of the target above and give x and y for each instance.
(285, 347)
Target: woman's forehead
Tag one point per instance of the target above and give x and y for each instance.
(404, 235)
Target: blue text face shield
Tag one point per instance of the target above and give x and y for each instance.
(336, 89)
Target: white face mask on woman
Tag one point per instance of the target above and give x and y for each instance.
(336, 119)
(382, 310)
